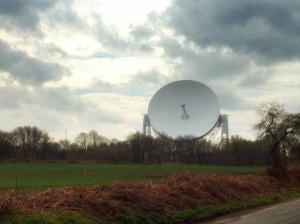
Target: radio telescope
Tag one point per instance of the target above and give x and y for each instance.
(183, 109)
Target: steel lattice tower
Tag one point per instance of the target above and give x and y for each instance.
(224, 130)
(146, 125)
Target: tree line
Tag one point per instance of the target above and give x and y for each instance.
(278, 143)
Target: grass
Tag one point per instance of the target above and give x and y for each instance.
(48, 217)
(27, 177)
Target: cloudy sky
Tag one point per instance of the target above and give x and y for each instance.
(95, 64)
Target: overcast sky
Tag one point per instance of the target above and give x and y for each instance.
(95, 64)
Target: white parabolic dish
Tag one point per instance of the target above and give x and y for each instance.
(184, 109)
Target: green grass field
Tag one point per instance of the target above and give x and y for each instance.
(25, 177)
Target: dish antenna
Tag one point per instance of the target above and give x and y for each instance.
(184, 109)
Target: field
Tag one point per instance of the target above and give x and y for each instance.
(27, 177)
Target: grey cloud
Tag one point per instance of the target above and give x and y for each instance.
(255, 79)
(142, 37)
(50, 50)
(108, 37)
(229, 97)
(59, 99)
(140, 84)
(143, 83)
(101, 84)
(203, 65)
(102, 116)
(269, 30)
(62, 14)
(17, 7)
(97, 86)
(172, 48)
(139, 40)
(141, 32)
(26, 69)
(149, 77)
(23, 14)
(10, 97)
(146, 48)
(99, 54)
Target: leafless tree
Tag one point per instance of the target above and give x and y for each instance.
(82, 140)
(91, 140)
(64, 144)
(94, 139)
(277, 126)
(6, 147)
(30, 140)
(139, 145)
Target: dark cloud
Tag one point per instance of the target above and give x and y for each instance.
(205, 65)
(268, 30)
(17, 7)
(220, 71)
(62, 14)
(23, 14)
(26, 69)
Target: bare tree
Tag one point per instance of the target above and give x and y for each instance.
(6, 147)
(161, 149)
(64, 144)
(139, 145)
(82, 140)
(91, 140)
(94, 139)
(276, 126)
(30, 140)
(185, 147)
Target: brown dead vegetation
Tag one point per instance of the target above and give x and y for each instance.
(173, 193)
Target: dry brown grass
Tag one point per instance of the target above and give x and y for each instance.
(173, 193)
